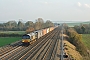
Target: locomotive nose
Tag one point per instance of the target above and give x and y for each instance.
(25, 41)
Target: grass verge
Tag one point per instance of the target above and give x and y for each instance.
(7, 40)
(86, 40)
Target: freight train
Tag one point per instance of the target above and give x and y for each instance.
(30, 38)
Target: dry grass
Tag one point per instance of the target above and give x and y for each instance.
(71, 50)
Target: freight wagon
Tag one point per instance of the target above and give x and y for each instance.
(51, 28)
(44, 31)
(38, 34)
(47, 30)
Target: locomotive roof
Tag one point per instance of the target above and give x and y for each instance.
(31, 34)
(38, 31)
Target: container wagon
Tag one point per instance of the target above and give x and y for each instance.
(44, 31)
(38, 34)
(51, 28)
(47, 30)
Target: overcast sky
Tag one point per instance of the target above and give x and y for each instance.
(59, 10)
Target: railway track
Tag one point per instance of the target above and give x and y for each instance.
(31, 48)
(10, 51)
(50, 54)
(44, 48)
(9, 48)
(39, 49)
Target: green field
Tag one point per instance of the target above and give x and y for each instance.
(77, 23)
(73, 24)
(7, 40)
(13, 32)
(86, 39)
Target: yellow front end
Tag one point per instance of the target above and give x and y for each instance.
(25, 40)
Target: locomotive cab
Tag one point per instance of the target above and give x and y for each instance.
(25, 39)
(28, 39)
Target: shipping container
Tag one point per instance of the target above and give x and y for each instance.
(51, 28)
(39, 34)
(47, 30)
(44, 31)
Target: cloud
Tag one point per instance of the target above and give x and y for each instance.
(83, 5)
(86, 5)
(46, 2)
(79, 4)
(20, 1)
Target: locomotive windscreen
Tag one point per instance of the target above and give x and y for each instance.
(25, 37)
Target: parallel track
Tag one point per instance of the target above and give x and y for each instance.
(44, 48)
(9, 48)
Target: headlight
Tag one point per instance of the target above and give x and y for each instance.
(22, 40)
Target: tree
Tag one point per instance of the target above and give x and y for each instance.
(39, 24)
(29, 24)
(49, 23)
(20, 25)
(29, 29)
(1, 27)
(83, 29)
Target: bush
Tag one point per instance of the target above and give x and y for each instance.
(76, 39)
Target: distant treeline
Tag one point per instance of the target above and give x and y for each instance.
(20, 26)
(83, 28)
